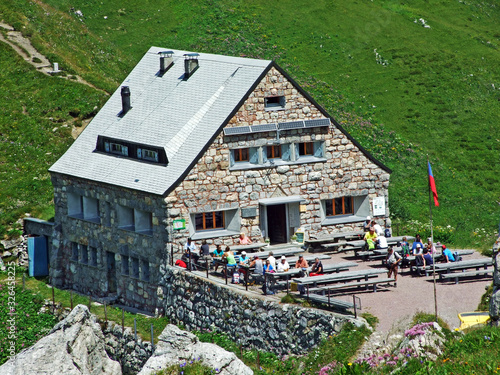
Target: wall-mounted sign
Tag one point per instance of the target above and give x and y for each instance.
(179, 224)
(378, 206)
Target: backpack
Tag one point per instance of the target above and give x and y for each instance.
(236, 278)
(387, 232)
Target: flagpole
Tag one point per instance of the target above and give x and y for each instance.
(432, 243)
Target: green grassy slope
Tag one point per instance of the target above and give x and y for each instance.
(401, 89)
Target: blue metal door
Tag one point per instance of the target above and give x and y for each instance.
(38, 259)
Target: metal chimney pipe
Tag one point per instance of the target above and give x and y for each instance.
(125, 99)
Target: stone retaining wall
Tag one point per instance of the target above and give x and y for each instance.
(248, 319)
(122, 347)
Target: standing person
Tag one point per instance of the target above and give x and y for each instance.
(405, 252)
(317, 268)
(244, 240)
(392, 260)
(417, 241)
(370, 239)
(367, 224)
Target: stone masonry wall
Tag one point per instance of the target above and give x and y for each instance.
(247, 319)
(495, 298)
(122, 347)
(106, 237)
(211, 185)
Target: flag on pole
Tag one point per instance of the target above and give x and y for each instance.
(432, 185)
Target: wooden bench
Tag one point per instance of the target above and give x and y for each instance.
(340, 277)
(366, 283)
(316, 244)
(333, 302)
(458, 275)
(460, 265)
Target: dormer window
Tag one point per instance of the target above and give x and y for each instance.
(131, 150)
(116, 148)
(145, 154)
(274, 103)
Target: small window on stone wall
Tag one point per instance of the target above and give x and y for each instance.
(74, 251)
(93, 256)
(145, 270)
(125, 265)
(339, 206)
(275, 102)
(85, 254)
(135, 268)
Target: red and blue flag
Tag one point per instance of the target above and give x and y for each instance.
(432, 185)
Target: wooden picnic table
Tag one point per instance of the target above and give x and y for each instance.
(251, 247)
(340, 277)
(334, 236)
(277, 253)
(453, 266)
(327, 268)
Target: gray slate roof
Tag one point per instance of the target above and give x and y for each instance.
(180, 116)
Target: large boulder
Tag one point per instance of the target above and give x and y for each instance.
(75, 346)
(176, 347)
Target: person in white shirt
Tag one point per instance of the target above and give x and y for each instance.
(418, 250)
(272, 259)
(378, 229)
(283, 265)
(382, 242)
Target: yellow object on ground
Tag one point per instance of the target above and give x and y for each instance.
(470, 319)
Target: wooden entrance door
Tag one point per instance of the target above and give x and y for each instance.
(276, 223)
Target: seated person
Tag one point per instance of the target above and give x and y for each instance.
(418, 250)
(430, 246)
(302, 264)
(405, 247)
(427, 257)
(180, 263)
(378, 229)
(217, 254)
(190, 253)
(448, 255)
(283, 265)
(382, 242)
(243, 264)
(370, 238)
(259, 268)
(417, 241)
(272, 259)
(244, 240)
(317, 268)
(231, 261)
(268, 267)
(204, 249)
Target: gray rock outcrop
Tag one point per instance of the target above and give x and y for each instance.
(75, 346)
(176, 347)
